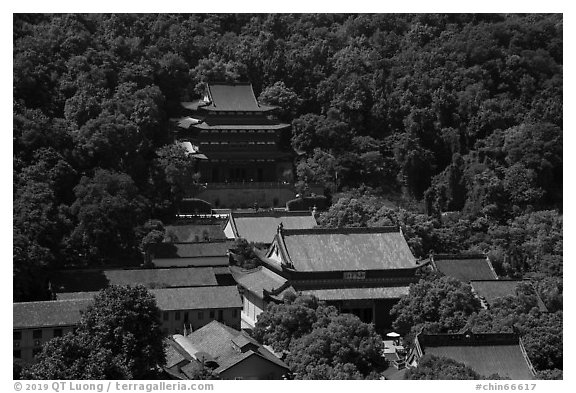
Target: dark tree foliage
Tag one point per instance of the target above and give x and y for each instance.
(244, 255)
(321, 343)
(107, 210)
(541, 333)
(280, 324)
(437, 305)
(118, 337)
(345, 348)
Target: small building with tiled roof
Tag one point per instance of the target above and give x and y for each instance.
(261, 226)
(489, 290)
(229, 353)
(197, 254)
(34, 323)
(85, 280)
(258, 287)
(464, 267)
(196, 230)
(364, 271)
(485, 353)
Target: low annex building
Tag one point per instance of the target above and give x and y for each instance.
(200, 254)
(87, 280)
(464, 267)
(364, 271)
(485, 353)
(189, 308)
(34, 323)
(490, 290)
(230, 353)
(261, 226)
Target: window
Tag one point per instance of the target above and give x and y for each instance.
(17, 353)
(36, 334)
(177, 316)
(220, 315)
(186, 316)
(37, 343)
(234, 313)
(36, 351)
(211, 314)
(165, 315)
(17, 335)
(200, 315)
(57, 332)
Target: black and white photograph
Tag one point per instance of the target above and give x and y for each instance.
(287, 196)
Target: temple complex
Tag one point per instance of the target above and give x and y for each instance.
(364, 271)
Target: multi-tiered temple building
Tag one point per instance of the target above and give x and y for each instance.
(241, 157)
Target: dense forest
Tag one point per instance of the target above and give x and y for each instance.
(447, 125)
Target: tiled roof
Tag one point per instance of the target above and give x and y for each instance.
(197, 298)
(76, 295)
(271, 153)
(193, 298)
(347, 249)
(207, 126)
(261, 227)
(187, 233)
(216, 338)
(490, 290)
(173, 356)
(506, 360)
(190, 250)
(257, 280)
(94, 280)
(233, 97)
(465, 267)
(492, 353)
(358, 293)
(48, 313)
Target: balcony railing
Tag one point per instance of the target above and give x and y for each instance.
(247, 184)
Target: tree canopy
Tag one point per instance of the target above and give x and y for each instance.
(118, 337)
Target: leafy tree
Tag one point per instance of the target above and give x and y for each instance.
(280, 324)
(126, 321)
(440, 305)
(344, 348)
(118, 337)
(173, 176)
(285, 98)
(199, 371)
(73, 357)
(244, 253)
(550, 374)
(108, 208)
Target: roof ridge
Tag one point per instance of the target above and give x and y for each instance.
(476, 255)
(199, 242)
(271, 213)
(77, 300)
(345, 230)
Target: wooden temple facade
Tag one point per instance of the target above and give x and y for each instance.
(237, 143)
